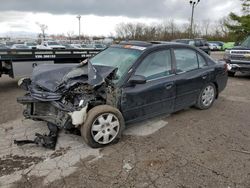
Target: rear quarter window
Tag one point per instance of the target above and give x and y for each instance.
(202, 61)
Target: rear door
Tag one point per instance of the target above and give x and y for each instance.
(192, 75)
(157, 95)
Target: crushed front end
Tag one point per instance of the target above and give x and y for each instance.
(62, 94)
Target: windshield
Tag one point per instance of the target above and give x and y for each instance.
(246, 43)
(120, 58)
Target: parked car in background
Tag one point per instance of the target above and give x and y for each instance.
(76, 46)
(31, 45)
(219, 43)
(50, 45)
(213, 46)
(9, 43)
(129, 82)
(3, 46)
(199, 43)
(228, 45)
(99, 46)
(238, 58)
(87, 46)
(19, 46)
(67, 46)
(93, 46)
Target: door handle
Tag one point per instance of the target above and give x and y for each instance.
(169, 86)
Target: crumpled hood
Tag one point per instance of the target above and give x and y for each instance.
(53, 77)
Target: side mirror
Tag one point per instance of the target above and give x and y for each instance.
(137, 79)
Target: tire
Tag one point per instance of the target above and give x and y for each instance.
(231, 74)
(206, 97)
(103, 126)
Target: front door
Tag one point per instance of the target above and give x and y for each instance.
(157, 95)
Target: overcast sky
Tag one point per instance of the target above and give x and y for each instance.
(99, 17)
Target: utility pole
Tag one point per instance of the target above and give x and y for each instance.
(79, 18)
(193, 3)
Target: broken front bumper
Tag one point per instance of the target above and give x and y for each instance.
(242, 67)
(50, 112)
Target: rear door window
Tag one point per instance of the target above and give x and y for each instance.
(186, 60)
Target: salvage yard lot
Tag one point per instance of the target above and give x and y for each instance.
(190, 148)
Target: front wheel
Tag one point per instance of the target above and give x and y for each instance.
(103, 126)
(206, 97)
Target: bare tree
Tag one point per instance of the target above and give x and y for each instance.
(222, 25)
(70, 35)
(205, 27)
(172, 27)
(43, 28)
(169, 30)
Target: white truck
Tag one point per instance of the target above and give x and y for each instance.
(50, 45)
(20, 62)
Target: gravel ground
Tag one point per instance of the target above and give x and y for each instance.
(9, 91)
(191, 148)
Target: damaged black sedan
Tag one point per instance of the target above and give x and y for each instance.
(128, 82)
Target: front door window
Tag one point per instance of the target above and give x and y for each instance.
(155, 65)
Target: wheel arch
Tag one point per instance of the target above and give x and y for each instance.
(217, 89)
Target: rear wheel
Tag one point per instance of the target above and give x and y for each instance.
(103, 126)
(206, 97)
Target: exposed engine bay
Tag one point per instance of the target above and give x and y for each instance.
(61, 95)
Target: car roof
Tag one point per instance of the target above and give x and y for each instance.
(153, 44)
(183, 39)
(136, 43)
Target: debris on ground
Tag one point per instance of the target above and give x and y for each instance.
(127, 166)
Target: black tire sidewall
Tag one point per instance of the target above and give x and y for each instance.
(200, 104)
(91, 117)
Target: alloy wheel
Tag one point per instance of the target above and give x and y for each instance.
(208, 96)
(105, 128)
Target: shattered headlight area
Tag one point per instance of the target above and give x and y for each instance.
(64, 102)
